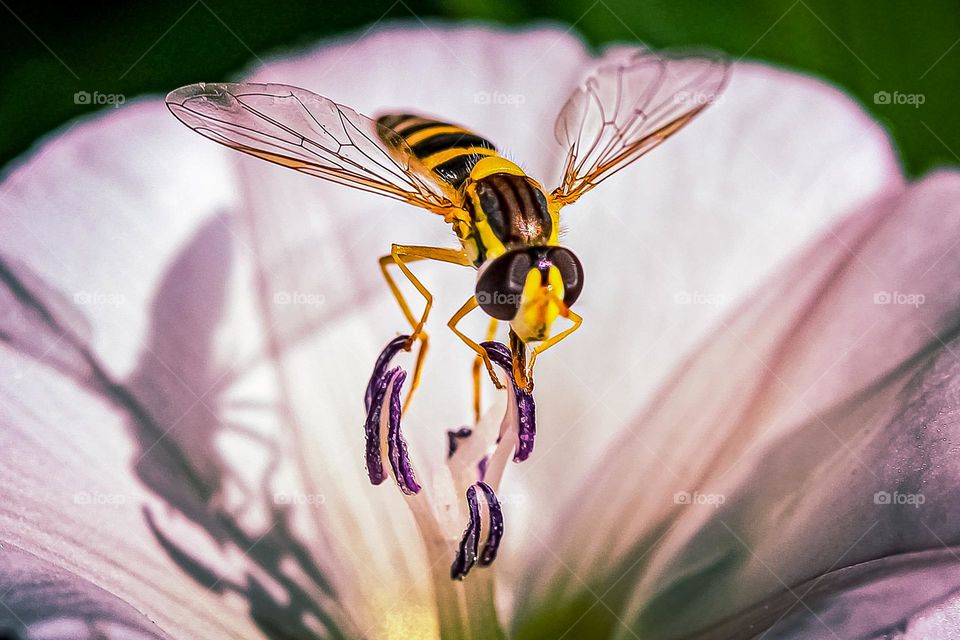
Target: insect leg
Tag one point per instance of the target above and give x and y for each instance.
(491, 333)
(461, 313)
(546, 344)
(400, 255)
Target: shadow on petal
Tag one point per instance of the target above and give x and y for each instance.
(50, 602)
(181, 389)
(177, 409)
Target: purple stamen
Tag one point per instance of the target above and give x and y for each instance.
(371, 427)
(454, 438)
(482, 467)
(396, 445)
(374, 398)
(489, 553)
(380, 368)
(526, 409)
(468, 553)
(469, 543)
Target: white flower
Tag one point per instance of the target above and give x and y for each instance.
(736, 439)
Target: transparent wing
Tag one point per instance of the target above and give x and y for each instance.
(301, 130)
(627, 108)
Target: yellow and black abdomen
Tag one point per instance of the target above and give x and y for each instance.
(450, 151)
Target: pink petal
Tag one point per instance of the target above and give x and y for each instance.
(100, 211)
(675, 244)
(913, 595)
(809, 401)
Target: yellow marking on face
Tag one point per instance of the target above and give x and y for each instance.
(539, 305)
(429, 132)
(440, 157)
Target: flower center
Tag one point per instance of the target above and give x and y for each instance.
(476, 463)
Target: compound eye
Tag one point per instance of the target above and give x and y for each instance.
(571, 272)
(501, 284)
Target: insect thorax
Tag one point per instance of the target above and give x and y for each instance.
(507, 210)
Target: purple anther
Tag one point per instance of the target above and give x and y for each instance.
(469, 543)
(380, 368)
(526, 409)
(489, 553)
(396, 445)
(371, 427)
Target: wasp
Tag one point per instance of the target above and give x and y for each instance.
(506, 222)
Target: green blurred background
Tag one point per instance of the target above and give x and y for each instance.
(911, 51)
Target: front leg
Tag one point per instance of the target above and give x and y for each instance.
(576, 321)
(461, 313)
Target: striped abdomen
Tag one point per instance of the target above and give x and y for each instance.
(448, 150)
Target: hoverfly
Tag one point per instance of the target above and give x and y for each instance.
(506, 221)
